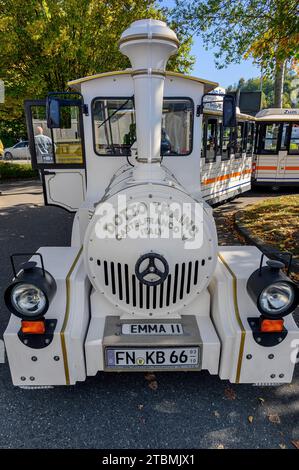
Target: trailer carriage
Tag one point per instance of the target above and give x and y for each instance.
(143, 285)
(276, 161)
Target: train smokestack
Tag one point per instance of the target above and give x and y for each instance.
(148, 44)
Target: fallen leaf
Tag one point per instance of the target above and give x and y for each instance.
(220, 446)
(274, 418)
(153, 385)
(230, 393)
(140, 407)
(250, 419)
(150, 377)
(296, 444)
(217, 414)
(282, 446)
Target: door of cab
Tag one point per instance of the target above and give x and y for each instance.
(58, 154)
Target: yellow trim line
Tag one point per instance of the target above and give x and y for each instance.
(238, 317)
(66, 317)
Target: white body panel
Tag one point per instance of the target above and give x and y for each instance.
(276, 169)
(65, 188)
(70, 309)
(231, 308)
(225, 179)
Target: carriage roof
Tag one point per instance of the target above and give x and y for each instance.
(241, 116)
(276, 114)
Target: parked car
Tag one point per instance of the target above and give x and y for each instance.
(19, 151)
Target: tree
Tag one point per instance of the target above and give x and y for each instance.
(253, 84)
(46, 43)
(267, 30)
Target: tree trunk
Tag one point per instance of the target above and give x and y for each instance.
(278, 84)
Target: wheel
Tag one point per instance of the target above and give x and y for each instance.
(7, 156)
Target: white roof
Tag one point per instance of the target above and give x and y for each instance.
(208, 85)
(218, 112)
(278, 114)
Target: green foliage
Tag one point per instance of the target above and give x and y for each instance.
(46, 43)
(16, 171)
(266, 30)
(253, 84)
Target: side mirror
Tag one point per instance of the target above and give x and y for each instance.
(229, 117)
(58, 114)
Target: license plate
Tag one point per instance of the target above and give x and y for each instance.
(139, 358)
(160, 329)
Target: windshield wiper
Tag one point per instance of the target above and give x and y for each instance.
(116, 111)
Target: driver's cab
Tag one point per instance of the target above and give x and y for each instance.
(96, 135)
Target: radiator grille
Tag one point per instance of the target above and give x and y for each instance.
(124, 286)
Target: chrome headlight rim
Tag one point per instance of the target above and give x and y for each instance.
(26, 287)
(40, 279)
(18, 311)
(284, 310)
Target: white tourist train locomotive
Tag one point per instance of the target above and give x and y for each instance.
(143, 285)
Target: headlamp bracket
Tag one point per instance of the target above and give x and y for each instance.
(13, 256)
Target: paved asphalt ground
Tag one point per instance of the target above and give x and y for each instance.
(187, 410)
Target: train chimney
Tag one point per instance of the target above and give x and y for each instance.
(148, 44)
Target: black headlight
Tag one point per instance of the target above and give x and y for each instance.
(31, 292)
(273, 292)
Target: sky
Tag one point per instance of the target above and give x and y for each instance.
(205, 67)
(205, 63)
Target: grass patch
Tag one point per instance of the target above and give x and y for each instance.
(16, 171)
(275, 221)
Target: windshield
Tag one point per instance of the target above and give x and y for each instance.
(115, 126)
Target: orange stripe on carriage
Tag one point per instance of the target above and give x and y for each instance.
(226, 177)
(294, 168)
(266, 167)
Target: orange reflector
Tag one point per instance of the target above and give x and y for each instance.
(33, 327)
(271, 326)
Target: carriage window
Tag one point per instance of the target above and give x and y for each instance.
(115, 126)
(211, 142)
(294, 140)
(269, 138)
(250, 138)
(239, 140)
(284, 136)
(226, 139)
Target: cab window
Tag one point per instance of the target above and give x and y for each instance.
(114, 126)
(57, 146)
